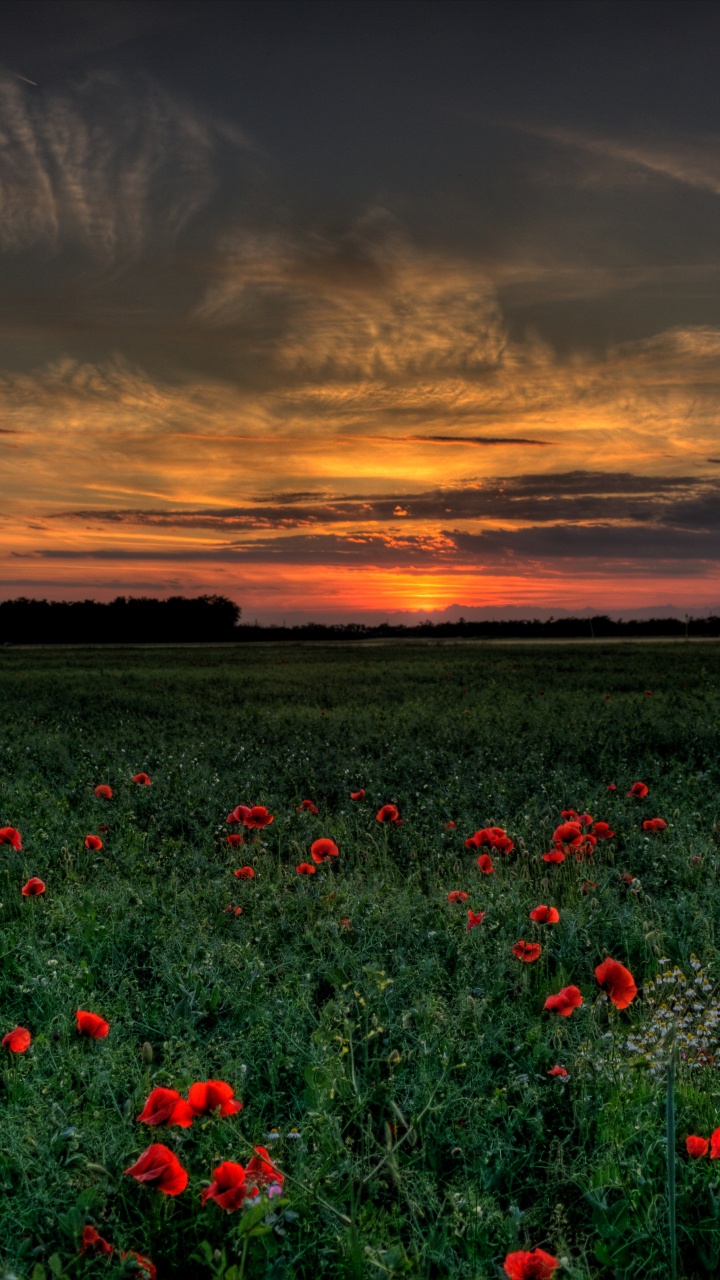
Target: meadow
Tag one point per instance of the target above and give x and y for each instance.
(396, 1064)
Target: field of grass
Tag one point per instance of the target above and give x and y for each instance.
(401, 1059)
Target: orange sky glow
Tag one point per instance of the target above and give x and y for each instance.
(210, 383)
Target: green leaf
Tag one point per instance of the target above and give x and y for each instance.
(55, 1264)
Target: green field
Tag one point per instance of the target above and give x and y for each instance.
(410, 1055)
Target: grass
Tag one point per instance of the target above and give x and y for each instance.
(410, 1055)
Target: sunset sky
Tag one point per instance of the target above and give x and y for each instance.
(349, 309)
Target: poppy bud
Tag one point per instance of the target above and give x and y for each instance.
(146, 1053)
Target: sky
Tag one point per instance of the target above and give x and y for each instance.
(356, 310)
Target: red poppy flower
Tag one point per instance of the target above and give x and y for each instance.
(17, 1041)
(103, 792)
(234, 839)
(474, 918)
(568, 833)
(571, 815)
(237, 911)
(161, 1167)
(33, 887)
(715, 1145)
(564, 1001)
(91, 1024)
(638, 789)
(458, 895)
(11, 836)
(587, 886)
(307, 806)
(529, 952)
(555, 855)
(504, 844)
(259, 817)
(545, 915)
(93, 842)
(323, 850)
(228, 1188)
(143, 1266)
(165, 1106)
(240, 814)
(358, 795)
(345, 923)
(143, 779)
(244, 873)
(558, 1071)
(306, 869)
(585, 849)
(261, 1170)
(388, 813)
(654, 824)
(205, 1098)
(91, 1239)
(451, 826)
(601, 831)
(485, 864)
(697, 1147)
(612, 786)
(537, 1265)
(649, 693)
(617, 981)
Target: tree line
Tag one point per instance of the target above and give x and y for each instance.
(216, 619)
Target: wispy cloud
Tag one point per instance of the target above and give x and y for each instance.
(105, 167)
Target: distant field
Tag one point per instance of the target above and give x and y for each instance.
(409, 1054)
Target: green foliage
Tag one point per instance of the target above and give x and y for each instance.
(410, 1055)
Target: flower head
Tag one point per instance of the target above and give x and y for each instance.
(207, 1097)
(715, 1144)
(564, 1001)
(554, 855)
(528, 952)
(617, 981)
(18, 1040)
(474, 918)
(697, 1147)
(558, 1071)
(568, 833)
(306, 869)
(306, 806)
(229, 1188)
(545, 915)
(33, 887)
(142, 779)
(91, 1024)
(654, 824)
(93, 842)
(323, 850)
(388, 813)
(458, 895)
(244, 873)
(358, 795)
(602, 831)
(103, 792)
(161, 1167)
(639, 790)
(11, 836)
(235, 839)
(485, 864)
(611, 786)
(92, 1240)
(165, 1106)
(537, 1265)
(240, 814)
(261, 1170)
(259, 817)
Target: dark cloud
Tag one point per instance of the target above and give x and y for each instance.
(571, 498)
